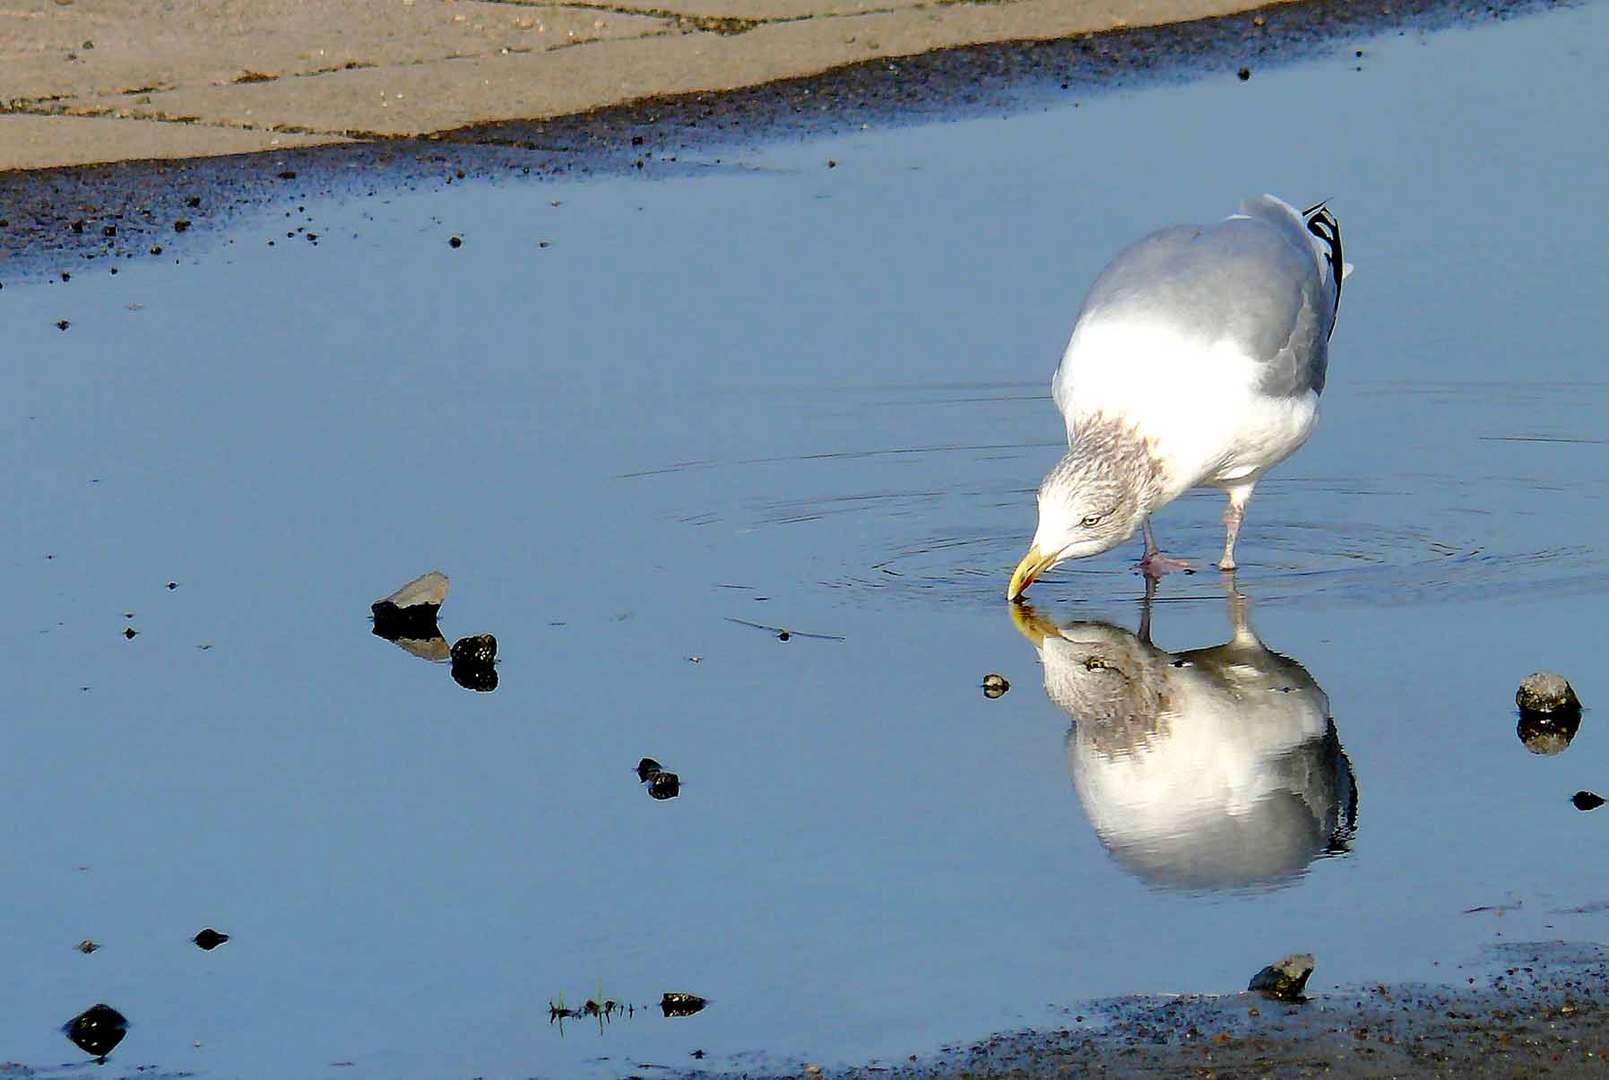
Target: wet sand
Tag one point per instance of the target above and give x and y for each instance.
(56, 210)
(1539, 1012)
(80, 85)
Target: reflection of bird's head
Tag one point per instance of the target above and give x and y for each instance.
(1108, 681)
(1216, 768)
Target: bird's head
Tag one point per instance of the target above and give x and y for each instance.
(1087, 505)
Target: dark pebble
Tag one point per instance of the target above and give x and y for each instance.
(130, 633)
(648, 767)
(1586, 800)
(475, 649)
(156, 249)
(287, 174)
(664, 785)
(676, 1004)
(995, 685)
(63, 324)
(181, 224)
(108, 230)
(1243, 74)
(1285, 980)
(209, 939)
(193, 201)
(455, 241)
(97, 1030)
(783, 635)
(87, 946)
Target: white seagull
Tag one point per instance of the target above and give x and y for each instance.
(1197, 361)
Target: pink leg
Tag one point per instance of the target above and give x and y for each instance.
(1155, 564)
(1233, 515)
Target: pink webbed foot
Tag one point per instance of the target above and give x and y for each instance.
(1156, 565)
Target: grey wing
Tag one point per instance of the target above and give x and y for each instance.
(1253, 280)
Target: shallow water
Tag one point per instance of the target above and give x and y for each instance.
(812, 399)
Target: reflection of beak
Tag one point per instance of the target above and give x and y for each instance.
(1033, 564)
(1032, 625)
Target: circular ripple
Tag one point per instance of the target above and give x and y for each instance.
(1326, 541)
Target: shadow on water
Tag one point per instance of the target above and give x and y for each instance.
(1213, 768)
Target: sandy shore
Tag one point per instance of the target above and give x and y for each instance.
(84, 82)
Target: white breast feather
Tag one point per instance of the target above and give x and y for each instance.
(1195, 400)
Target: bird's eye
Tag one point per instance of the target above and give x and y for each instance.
(1092, 520)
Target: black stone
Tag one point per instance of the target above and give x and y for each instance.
(675, 1004)
(648, 767)
(475, 649)
(209, 939)
(97, 1030)
(664, 785)
(392, 622)
(1586, 800)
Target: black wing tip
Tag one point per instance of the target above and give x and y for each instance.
(1327, 227)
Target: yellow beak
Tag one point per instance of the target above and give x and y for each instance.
(1033, 564)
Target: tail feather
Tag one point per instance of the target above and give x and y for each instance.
(1324, 225)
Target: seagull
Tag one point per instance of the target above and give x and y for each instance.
(1197, 361)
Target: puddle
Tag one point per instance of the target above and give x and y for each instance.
(650, 428)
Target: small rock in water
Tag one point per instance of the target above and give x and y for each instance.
(678, 1004)
(664, 785)
(475, 662)
(97, 1030)
(1546, 692)
(475, 649)
(1547, 734)
(209, 939)
(647, 768)
(994, 685)
(130, 633)
(1586, 800)
(411, 610)
(1243, 74)
(87, 946)
(1284, 981)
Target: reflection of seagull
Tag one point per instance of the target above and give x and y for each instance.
(1197, 361)
(1210, 769)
